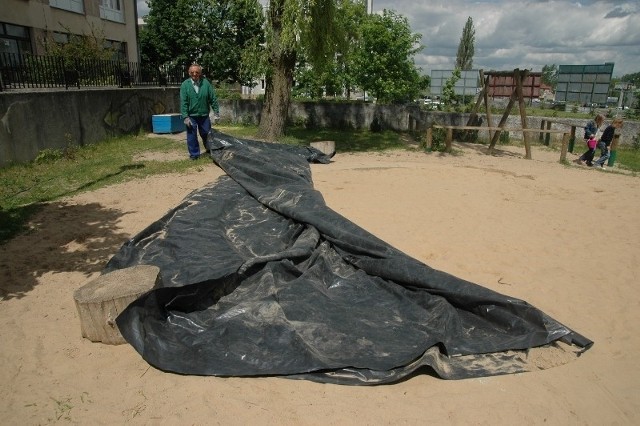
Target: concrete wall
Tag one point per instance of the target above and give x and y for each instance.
(33, 121)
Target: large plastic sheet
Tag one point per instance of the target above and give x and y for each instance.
(259, 277)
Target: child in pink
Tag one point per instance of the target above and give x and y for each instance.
(591, 150)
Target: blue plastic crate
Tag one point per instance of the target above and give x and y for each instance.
(167, 123)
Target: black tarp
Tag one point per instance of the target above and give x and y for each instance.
(259, 277)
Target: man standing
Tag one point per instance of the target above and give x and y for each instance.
(197, 99)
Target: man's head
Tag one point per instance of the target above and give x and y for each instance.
(195, 71)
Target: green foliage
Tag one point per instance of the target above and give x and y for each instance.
(224, 36)
(466, 49)
(438, 139)
(635, 142)
(383, 64)
(504, 137)
(226, 91)
(51, 155)
(25, 187)
(628, 157)
(633, 78)
(333, 76)
(550, 75)
(449, 96)
(88, 47)
(319, 33)
(346, 140)
(59, 173)
(81, 53)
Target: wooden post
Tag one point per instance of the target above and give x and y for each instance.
(101, 300)
(474, 111)
(429, 141)
(548, 135)
(520, 77)
(503, 120)
(449, 140)
(572, 138)
(487, 104)
(613, 150)
(565, 144)
(541, 134)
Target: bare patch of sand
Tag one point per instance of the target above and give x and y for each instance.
(562, 237)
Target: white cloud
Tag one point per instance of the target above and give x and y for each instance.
(522, 33)
(526, 34)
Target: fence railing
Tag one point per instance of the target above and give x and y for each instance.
(31, 71)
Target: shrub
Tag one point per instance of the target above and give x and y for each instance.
(635, 142)
(504, 137)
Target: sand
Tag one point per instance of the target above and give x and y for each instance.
(565, 238)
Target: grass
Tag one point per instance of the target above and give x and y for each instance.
(55, 174)
(346, 140)
(25, 188)
(628, 158)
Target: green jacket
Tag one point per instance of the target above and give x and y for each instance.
(197, 104)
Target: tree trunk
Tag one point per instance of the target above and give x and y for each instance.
(278, 85)
(277, 97)
(101, 300)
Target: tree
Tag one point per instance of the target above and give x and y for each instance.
(349, 20)
(631, 78)
(290, 25)
(464, 58)
(550, 75)
(449, 96)
(383, 63)
(237, 34)
(334, 76)
(215, 34)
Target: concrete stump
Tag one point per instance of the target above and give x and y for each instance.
(326, 147)
(101, 300)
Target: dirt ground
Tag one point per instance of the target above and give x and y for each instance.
(565, 238)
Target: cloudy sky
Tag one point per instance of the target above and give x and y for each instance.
(522, 34)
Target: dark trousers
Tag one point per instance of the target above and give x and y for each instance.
(604, 154)
(588, 154)
(201, 125)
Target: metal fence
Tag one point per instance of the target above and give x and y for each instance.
(31, 71)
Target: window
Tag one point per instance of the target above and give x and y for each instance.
(70, 5)
(14, 39)
(111, 10)
(119, 49)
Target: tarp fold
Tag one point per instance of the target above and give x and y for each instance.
(260, 277)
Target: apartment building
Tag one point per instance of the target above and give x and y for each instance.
(24, 24)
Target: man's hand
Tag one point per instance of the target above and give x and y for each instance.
(187, 122)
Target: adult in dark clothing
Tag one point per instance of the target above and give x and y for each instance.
(605, 142)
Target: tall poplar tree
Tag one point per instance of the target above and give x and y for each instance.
(550, 75)
(464, 58)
